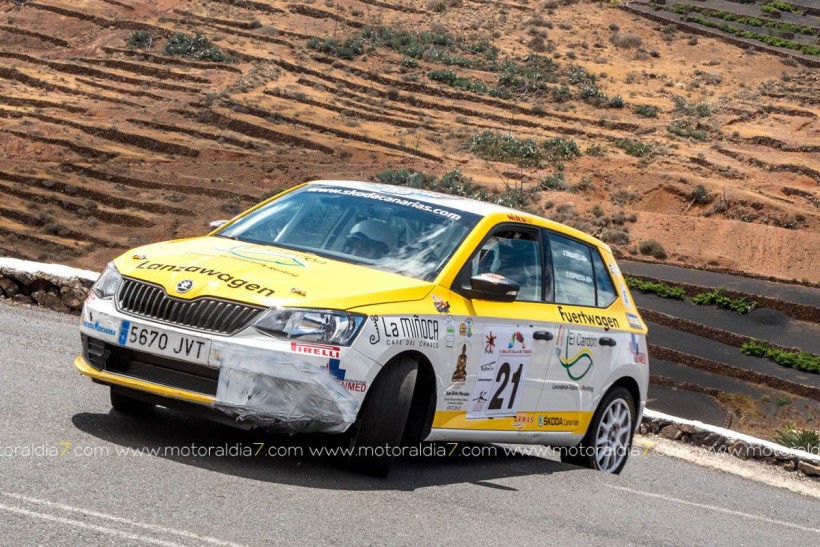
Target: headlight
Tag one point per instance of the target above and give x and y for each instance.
(324, 326)
(108, 282)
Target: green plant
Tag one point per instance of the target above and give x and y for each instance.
(616, 237)
(616, 101)
(623, 197)
(765, 38)
(700, 194)
(801, 439)
(139, 39)
(684, 129)
(452, 182)
(720, 299)
(558, 149)
(700, 110)
(506, 148)
(801, 360)
(657, 287)
(635, 148)
(197, 47)
(555, 182)
(779, 5)
(626, 41)
(782, 400)
(589, 93)
(652, 247)
(450, 78)
(349, 48)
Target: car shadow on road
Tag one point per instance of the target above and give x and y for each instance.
(305, 460)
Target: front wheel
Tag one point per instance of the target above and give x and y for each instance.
(380, 424)
(606, 445)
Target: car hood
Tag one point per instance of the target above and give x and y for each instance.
(264, 275)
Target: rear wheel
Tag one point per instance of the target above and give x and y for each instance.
(380, 424)
(128, 405)
(608, 440)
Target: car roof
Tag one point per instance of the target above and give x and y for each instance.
(481, 208)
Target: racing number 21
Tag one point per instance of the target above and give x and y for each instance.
(504, 371)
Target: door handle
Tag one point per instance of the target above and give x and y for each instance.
(542, 335)
(606, 341)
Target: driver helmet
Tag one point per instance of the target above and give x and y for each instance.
(371, 239)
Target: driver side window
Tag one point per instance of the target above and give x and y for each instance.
(515, 255)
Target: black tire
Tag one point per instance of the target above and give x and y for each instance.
(128, 405)
(612, 455)
(382, 418)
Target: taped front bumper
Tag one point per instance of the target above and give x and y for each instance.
(281, 392)
(260, 382)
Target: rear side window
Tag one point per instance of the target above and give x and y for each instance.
(574, 274)
(603, 284)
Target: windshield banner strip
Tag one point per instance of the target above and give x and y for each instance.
(389, 199)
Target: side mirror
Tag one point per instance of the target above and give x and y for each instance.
(491, 287)
(217, 224)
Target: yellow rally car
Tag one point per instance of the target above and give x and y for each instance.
(391, 314)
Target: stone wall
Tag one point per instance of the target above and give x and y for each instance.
(714, 441)
(44, 289)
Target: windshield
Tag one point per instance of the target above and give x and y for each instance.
(393, 232)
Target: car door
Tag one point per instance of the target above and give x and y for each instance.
(585, 343)
(502, 348)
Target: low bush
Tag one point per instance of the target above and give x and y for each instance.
(657, 287)
(197, 47)
(686, 130)
(635, 148)
(647, 111)
(506, 148)
(349, 48)
(555, 182)
(801, 439)
(801, 360)
(720, 299)
(140, 39)
(700, 194)
(652, 247)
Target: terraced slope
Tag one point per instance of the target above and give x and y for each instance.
(106, 145)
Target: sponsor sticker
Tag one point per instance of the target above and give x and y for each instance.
(635, 350)
(442, 306)
(460, 373)
(634, 321)
(498, 389)
(572, 351)
(319, 350)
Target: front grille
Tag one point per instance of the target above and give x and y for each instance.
(152, 368)
(205, 314)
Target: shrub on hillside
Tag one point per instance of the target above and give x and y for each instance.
(652, 247)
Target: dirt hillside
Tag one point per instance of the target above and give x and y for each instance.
(115, 131)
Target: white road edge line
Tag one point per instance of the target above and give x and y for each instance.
(153, 527)
(96, 528)
(715, 508)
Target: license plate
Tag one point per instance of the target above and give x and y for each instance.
(165, 343)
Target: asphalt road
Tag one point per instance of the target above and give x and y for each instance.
(96, 495)
(760, 323)
(716, 351)
(781, 291)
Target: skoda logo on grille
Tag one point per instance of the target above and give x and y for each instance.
(184, 286)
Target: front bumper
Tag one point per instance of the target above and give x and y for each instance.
(258, 381)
